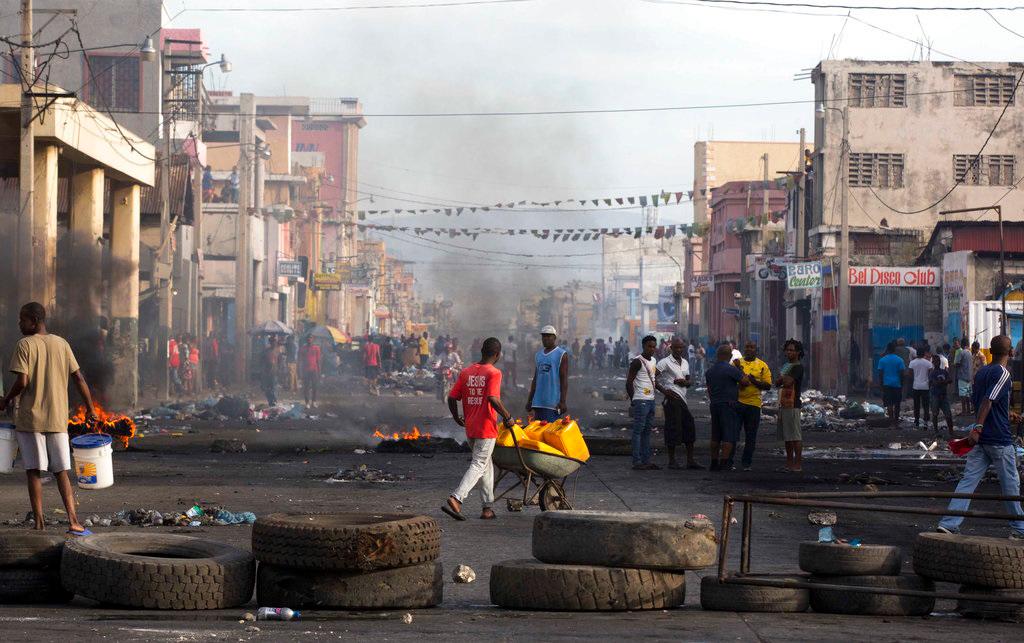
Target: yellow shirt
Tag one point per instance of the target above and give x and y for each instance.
(757, 370)
(424, 346)
(47, 360)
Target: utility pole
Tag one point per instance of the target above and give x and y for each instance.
(165, 305)
(26, 168)
(844, 312)
(688, 284)
(243, 262)
(801, 224)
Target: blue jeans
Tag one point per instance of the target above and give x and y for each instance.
(1004, 458)
(750, 421)
(643, 419)
(545, 415)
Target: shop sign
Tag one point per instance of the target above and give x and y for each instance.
(803, 275)
(702, 282)
(289, 268)
(915, 277)
(327, 281)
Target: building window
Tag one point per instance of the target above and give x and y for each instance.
(877, 90)
(115, 83)
(632, 303)
(875, 169)
(983, 89)
(991, 169)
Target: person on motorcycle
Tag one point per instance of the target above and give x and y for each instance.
(447, 368)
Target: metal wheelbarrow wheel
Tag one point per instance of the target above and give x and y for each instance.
(553, 498)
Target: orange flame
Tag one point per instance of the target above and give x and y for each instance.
(116, 425)
(404, 435)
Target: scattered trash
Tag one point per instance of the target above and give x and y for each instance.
(363, 473)
(822, 517)
(232, 407)
(407, 618)
(513, 505)
(854, 543)
(895, 446)
(463, 574)
(228, 446)
(276, 614)
(249, 616)
(194, 511)
(359, 451)
(698, 521)
(232, 518)
(863, 478)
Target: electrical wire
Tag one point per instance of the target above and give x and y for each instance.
(996, 20)
(974, 163)
(809, 5)
(422, 5)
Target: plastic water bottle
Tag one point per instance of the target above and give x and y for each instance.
(276, 614)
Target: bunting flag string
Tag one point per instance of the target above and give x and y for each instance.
(555, 234)
(662, 198)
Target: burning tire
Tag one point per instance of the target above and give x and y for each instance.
(972, 560)
(30, 549)
(346, 542)
(32, 586)
(1009, 612)
(158, 571)
(753, 598)
(401, 588)
(530, 585)
(842, 601)
(611, 539)
(836, 559)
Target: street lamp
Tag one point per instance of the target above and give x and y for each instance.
(844, 312)
(677, 292)
(1002, 257)
(148, 51)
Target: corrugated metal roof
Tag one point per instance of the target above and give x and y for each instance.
(986, 238)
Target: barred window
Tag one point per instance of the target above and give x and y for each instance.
(990, 169)
(115, 83)
(983, 89)
(877, 90)
(875, 169)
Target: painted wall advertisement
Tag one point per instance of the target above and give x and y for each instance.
(914, 277)
(954, 292)
(703, 282)
(767, 268)
(803, 275)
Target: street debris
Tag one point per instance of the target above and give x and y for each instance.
(422, 445)
(228, 446)
(363, 473)
(196, 516)
(823, 517)
(513, 505)
(863, 478)
(463, 574)
(407, 618)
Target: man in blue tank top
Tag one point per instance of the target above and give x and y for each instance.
(550, 379)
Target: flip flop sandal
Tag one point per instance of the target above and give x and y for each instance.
(447, 508)
(78, 534)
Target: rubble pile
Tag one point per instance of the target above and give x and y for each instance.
(222, 409)
(199, 515)
(363, 473)
(410, 380)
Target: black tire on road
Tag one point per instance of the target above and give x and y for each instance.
(836, 559)
(530, 585)
(34, 549)
(845, 601)
(972, 560)
(1009, 612)
(726, 597)
(403, 587)
(158, 571)
(620, 539)
(32, 586)
(346, 541)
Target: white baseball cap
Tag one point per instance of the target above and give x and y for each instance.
(548, 330)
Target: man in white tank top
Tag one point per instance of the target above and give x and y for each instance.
(640, 386)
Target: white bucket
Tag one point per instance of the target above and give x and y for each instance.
(8, 447)
(94, 464)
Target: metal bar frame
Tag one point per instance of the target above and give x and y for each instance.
(824, 500)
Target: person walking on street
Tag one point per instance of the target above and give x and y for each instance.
(586, 354)
(309, 357)
(479, 390)
(963, 369)
(42, 365)
(269, 363)
(511, 351)
(750, 400)
(371, 363)
(550, 385)
(673, 380)
(890, 374)
(790, 383)
(992, 440)
(640, 384)
(921, 368)
(211, 352)
(424, 346)
(938, 379)
(723, 382)
(291, 353)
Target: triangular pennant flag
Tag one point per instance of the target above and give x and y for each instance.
(418, 231)
(643, 201)
(403, 228)
(485, 209)
(472, 209)
(522, 203)
(649, 230)
(546, 233)
(595, 202)
(636, 232)
(436, 210)
(399, 210)
(632, 200)
(361, 215)
(670, 232)
(545, 204)
(586, 237)
(558, 203)
(583, 201)
(555, 237)
(664, 197)
(438, 232)
(679, 197)
(576, 237)
(659, 232)
(447, 212)
(654, 199)
(607, 201)
(618, 200)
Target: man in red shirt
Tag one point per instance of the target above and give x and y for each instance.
(479, 388)
(309, 361)
(371, 362)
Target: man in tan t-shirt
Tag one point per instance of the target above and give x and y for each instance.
(43, 363)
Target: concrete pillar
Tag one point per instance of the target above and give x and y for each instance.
(86, 264)
(124, 295)
(44, 227)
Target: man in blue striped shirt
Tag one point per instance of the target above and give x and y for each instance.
(992, 439)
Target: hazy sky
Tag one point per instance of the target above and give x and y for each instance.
(551, 55)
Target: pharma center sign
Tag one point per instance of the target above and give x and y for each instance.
(803, 275)
(915, 277)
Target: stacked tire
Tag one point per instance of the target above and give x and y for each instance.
(348, 561)
(30, 567)
(980, 565)
(157, 571)
(874, 566)
(604, 561)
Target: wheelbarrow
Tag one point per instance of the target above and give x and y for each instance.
(542, 476)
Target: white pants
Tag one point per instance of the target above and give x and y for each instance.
(480, 470)
(44, 451)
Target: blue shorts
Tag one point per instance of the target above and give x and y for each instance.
(545, 415)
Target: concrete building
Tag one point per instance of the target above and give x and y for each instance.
(86, 200)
